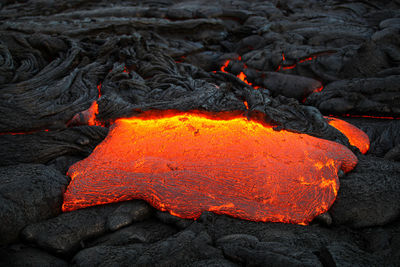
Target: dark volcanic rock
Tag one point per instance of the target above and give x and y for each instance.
(148, 231)
(26, 257)
(167, 218)
(42, 147)
(378, 96)
(178, 250)
(384, 135)
(126, 213)
(49, 98)
(65, 233)
(248, 251)
(29, 193)
(288, 85)
(369, 195)
(344, 254)
(296, 237)
(213, 263)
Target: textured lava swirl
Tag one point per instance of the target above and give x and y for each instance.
(187, 163)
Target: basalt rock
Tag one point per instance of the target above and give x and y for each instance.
(20, 255)
(369, 195)
(378, 96)
(44, 146)
(341, 254)
(181, 249)
(66, 233)
(248, 251)
(29, 193)
(148, 231)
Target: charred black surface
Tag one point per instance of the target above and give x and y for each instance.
(66, 66)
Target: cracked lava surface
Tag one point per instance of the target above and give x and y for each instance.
(187, 163)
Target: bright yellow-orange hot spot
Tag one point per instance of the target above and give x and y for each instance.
(187, 163)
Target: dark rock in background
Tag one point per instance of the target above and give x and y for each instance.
(29, 193)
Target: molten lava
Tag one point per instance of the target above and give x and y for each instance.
(187, 163)
(241, 75)
(356, 137)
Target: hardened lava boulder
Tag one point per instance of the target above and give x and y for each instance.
(188, 163)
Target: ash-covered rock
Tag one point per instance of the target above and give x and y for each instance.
(29, 193)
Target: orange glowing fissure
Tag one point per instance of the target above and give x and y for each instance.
(289, 67)
(241, 75)
(190, 162)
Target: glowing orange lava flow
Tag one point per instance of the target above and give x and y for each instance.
(356, 137)
(187, 163)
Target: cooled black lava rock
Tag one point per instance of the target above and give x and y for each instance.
(29, 193)
(181, 249)
(248, 251)
(148, 231)
(378, 96)
(65, 233)
(295, 238)
(42, 147)
(344, 254)
(25, 256)
(289, 85)
(369, 195)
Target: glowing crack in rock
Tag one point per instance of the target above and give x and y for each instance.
(187, 163)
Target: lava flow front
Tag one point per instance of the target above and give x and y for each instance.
(356, 137)
(187, 163)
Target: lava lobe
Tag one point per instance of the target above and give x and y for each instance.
(187, 163)
(356, 137)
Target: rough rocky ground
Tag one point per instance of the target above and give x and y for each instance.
(308, 58)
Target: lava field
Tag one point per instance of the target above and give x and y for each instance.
(200, 133)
